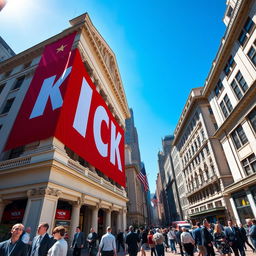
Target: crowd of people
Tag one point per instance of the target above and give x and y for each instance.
(205, 239)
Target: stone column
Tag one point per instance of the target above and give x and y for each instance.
(119, 221)
(108, 218)
(232, 202)
(95, 211)
(74, 217)
(251, 201)
(41, 207)
(124, 218)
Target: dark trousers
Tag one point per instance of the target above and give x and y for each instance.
(210, 250)
(120, 243)
(181, 250)
(160, 250)
(77, 251)
(247, 242)
(237, 248)
(92, 251)
(153, 251)
(189, 249)
(107, 253)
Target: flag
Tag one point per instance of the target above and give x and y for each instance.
(154, 201)
(143, 178)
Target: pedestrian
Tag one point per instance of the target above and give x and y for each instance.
(120, 240)
(172, 238)
(197, 235)
(187, 241)
(107, 246)
(166, 244)
(132, 240)
(60, 248)
(151, 244)
(207, 238)
(42, 242)
(14, 246)
(178, 239)
(234, 238)
(220, 241)
(252, 232)
(26, 236)
(78, 242)
(91, 239)
(143, 240)
(248, 221)
(158, 238)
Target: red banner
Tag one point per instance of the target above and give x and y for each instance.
(62, 214)
(13, 214)
(63, 102)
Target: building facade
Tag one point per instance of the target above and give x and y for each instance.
(5, 50)
(45, 180)
(205, 169)
(231, 88)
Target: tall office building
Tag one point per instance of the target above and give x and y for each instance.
(5, 50)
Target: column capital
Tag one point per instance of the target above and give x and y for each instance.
(124, 210)
(44, 191)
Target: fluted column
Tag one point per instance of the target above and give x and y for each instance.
(75, 217)
(119, 221)
(124, 218)
(234, 210)
(108, 218)
(95, 211)
(251, 201)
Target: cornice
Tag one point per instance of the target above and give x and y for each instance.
(108, 62)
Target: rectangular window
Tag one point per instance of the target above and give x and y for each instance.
(218, 88)
(229, 66)
(236, 89)
(18, 82)
(252, 118)
(239, 85)
(7, 106)
(224, 109)
(246, 31)
(228, 103)
(252, 53)
(239, 137)
(249, 164)
(1, 87)
(241, 81)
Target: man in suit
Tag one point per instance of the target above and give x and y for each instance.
(132, 240)
(252, 231)
(207, 238)
(91, 239)
(234, 238)
(14, 246)
(42, 242)
(78, 242)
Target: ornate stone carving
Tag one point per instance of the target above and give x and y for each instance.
(44, 191)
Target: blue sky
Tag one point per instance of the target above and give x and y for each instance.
(163, 48)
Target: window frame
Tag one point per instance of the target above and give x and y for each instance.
(239, 137)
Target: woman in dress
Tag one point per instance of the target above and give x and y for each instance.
(220, 241)
(60, 248)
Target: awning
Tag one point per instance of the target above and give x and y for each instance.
(213, 210)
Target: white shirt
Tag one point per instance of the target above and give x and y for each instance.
(186, 238)
(108, 242)
(60, 248)
(171, 235)
(25, 238)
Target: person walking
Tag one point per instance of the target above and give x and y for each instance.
(220, 241)
(207, 238)
(172, 238)
(151, 244)
(107, 246)
(132, 240)
(91, 239)
(197, 235)
(42, 242)
(234, 238)
(158, 238)
(178, 239)
(78, 242)
(14, 246)
(252, 232)
(120, 240)
(60, 248)
(26, 236)
(187, 241)
(144, 241)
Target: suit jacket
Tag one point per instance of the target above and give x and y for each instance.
(233, 235)
(19, 250)
(252, 232)
(46, 243)
(132, 240)
(78, 240)
(206, 236)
